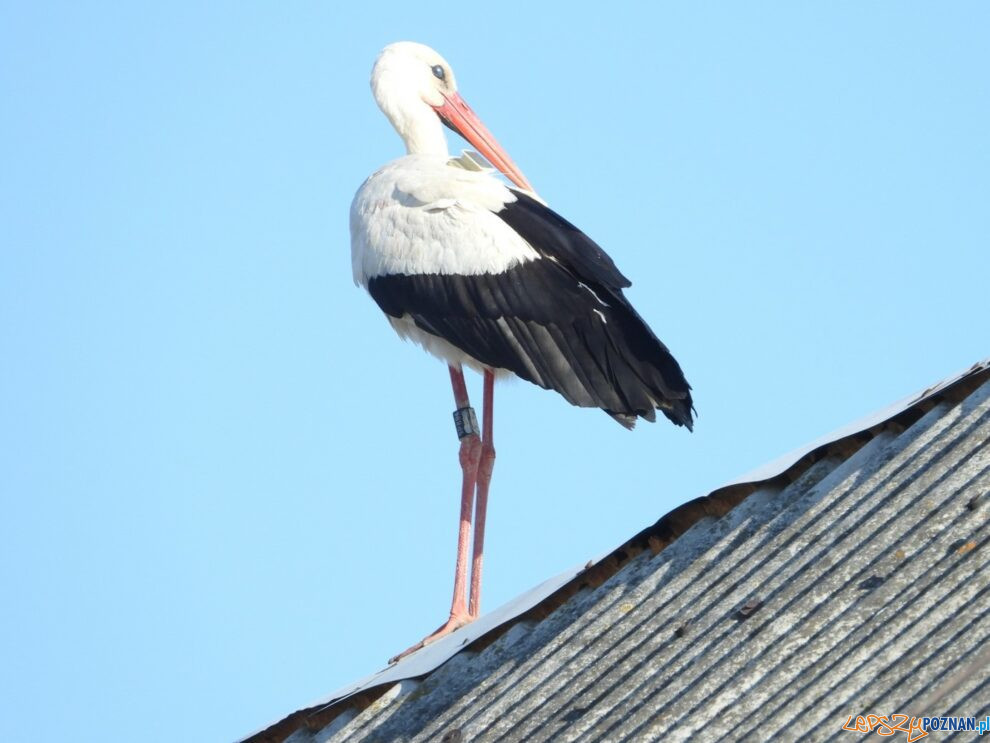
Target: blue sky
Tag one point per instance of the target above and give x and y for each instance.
(228, 489)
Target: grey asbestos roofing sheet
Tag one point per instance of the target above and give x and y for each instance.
(859, 586)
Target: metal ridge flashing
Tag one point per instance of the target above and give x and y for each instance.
(544, 598)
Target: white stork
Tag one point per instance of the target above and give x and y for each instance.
(485, 275)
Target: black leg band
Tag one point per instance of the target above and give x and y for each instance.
(466, 422)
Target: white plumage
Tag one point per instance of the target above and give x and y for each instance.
(421, 214)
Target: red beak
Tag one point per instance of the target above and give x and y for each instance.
(459, 117)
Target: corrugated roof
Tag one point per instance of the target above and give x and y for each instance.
(852, 578)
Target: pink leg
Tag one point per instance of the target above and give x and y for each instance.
(485, 467)
(470, 454)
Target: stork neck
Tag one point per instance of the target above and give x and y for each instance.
(423, 135)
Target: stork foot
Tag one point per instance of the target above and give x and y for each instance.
(455, 622)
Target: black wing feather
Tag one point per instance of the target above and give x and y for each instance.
(537, 321)
(555, 237)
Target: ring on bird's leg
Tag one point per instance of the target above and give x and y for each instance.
(466, 422)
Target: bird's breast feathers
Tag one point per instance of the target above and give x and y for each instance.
(421, 214)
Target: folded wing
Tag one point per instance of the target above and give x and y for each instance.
(558, 319)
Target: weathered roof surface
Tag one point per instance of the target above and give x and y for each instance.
(851, 578)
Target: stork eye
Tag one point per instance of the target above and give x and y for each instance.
(438, 72)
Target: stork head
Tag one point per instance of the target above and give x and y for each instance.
(415, 88)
